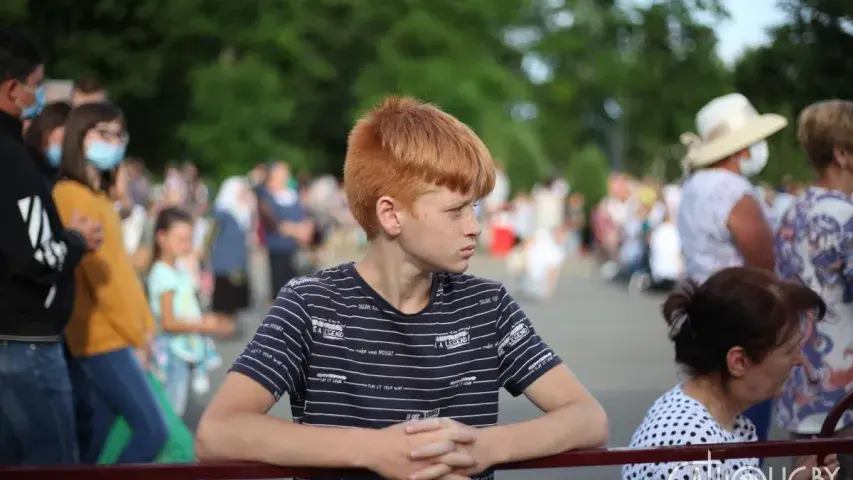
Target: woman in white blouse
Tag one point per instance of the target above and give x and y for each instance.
(721, 220)
(737, 337)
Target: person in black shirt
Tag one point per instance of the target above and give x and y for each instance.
(394, 364)
(37, 260)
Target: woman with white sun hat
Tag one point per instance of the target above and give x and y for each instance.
(721, 220)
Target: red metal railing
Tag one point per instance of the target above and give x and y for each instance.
(581, 458)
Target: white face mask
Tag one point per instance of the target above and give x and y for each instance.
(759, 153)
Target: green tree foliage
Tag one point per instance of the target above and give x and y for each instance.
(587, 174)
(674, 71)
(230, 84)
(229, 90)
(807, 60)
(657, 62)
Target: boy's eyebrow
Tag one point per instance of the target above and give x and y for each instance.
(462, 203)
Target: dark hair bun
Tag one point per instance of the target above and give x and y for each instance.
(676, 307)
(742, 307)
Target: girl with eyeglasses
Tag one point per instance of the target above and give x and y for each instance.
(112, 326)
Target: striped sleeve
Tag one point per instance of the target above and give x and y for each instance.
(276, 357)
(523, 356)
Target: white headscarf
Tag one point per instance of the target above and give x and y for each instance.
(228, 200)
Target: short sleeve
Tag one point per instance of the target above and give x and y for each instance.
(725, 193)
(523, 356)
(831, 237)
(277, 356)
(161, 280)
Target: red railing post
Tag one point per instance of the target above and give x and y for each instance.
(827, 430)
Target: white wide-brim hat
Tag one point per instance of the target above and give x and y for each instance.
(727, 125)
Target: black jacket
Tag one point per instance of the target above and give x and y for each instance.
(37, 255)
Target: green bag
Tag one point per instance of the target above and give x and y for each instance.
(179, 447)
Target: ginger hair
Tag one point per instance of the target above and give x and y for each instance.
(404, 147)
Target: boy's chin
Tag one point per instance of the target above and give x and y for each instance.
(460, 266)
(445, 265)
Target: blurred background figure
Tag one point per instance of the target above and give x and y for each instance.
(87, 90)
(233, 217)
(814, 246)
(45, 135)
(184, 352)
(286, 227)
(112, 327)
(575, 223)
(666, 265)
(543, 258)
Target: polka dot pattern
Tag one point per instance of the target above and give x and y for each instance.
(676, 419)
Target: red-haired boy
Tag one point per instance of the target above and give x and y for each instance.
(402, 348)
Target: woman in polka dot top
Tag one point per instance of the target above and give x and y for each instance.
(737, 337)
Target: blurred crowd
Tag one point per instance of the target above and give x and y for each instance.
(631, 233)
(162, 266)
(119, 286)
(635, 235)
(759, 276)
(535, 232)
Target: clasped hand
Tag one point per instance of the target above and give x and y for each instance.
(431, 449)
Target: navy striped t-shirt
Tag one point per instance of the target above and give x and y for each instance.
(347, 358)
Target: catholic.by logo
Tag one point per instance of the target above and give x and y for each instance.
(714, 470)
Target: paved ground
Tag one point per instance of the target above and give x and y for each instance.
(615, 342)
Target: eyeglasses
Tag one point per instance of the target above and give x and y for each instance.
(107, 134)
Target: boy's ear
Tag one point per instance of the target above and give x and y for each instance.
(388, 210)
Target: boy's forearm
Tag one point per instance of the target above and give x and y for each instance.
(575, 426)
(262, 438)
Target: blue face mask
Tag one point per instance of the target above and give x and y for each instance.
(35, 109)
(54, 155)
(105, 156)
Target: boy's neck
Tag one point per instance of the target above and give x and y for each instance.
(389, 272)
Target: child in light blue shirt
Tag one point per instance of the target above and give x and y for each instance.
(184, 352)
